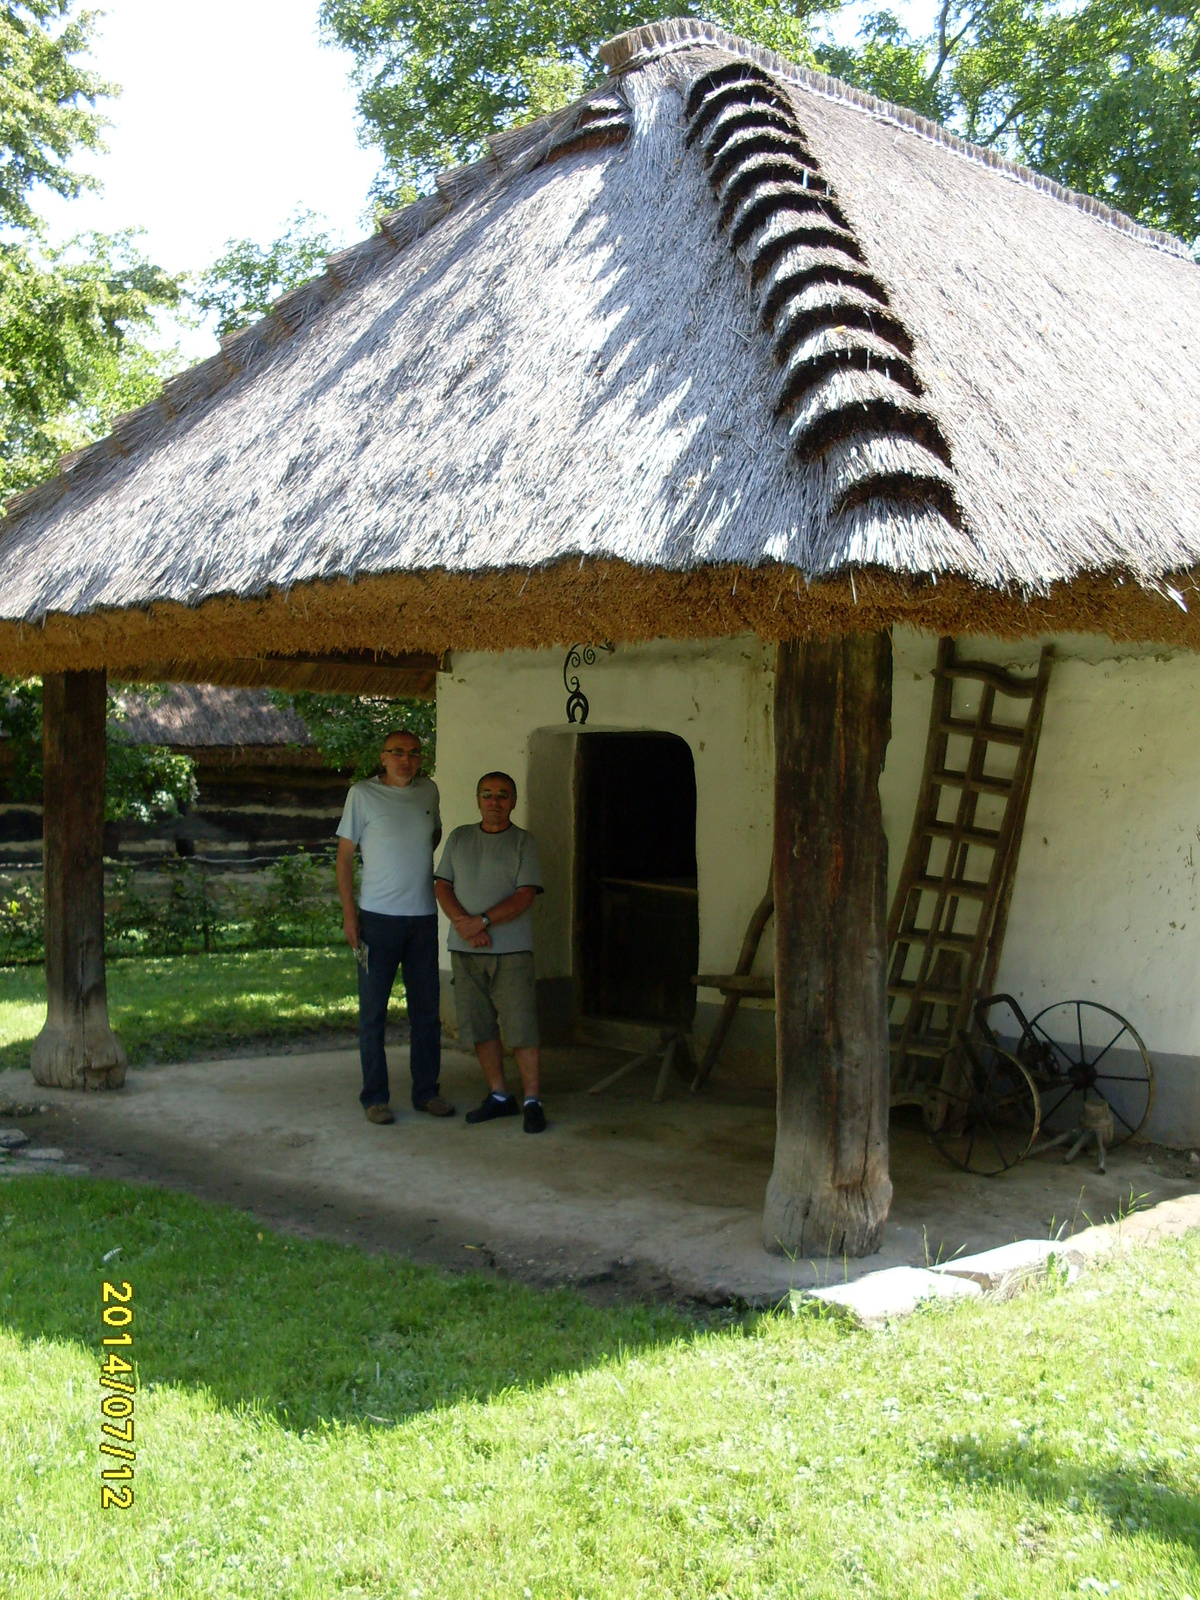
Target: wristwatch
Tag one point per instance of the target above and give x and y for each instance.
(485, 919)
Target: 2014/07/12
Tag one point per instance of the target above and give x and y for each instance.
(116, 1408)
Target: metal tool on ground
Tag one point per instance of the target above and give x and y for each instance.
(1077, 1070)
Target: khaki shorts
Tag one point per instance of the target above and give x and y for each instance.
(496, 998)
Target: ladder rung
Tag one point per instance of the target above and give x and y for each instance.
(967, 889)
(923, 994)
(947, 830)
(940, 941)
(933, 1048)
(993, 732)
(1003, 682)
(949, 778)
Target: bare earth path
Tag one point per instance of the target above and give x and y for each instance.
(619, 1195)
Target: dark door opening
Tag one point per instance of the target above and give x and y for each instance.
(639, 928)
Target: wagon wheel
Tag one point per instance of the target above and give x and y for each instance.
(984, 1112)
(1079, 1050)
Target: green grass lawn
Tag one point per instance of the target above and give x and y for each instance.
(165, 1010)
(315, 1422)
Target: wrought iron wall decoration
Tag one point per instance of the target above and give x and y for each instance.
(580, 655)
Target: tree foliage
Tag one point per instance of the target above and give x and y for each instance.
(435, 77)
(142, 783)
(47, 102)
(74, 321)
(240, 284)
(349, 730)
(73, 351)
(1103, 95)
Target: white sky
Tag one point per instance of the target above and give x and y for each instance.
(232, 115)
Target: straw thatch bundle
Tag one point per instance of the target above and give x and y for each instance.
(725, 345)
(194, 716)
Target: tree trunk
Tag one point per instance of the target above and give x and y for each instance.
(76, 1049)
(829, 1191)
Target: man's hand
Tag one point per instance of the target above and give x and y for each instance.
(350, 926)
(473, 931)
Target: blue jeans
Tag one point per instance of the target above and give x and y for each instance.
(394, 943)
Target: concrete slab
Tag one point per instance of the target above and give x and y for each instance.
(618, 1195)
(894, 1292)
(992, 1268)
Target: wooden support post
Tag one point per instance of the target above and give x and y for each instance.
(829, 1191)
(76, 1049)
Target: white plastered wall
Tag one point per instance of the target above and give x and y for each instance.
(1106, 903)
(499, 710)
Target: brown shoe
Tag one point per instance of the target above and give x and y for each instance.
(437, 1107)
(380, 1114)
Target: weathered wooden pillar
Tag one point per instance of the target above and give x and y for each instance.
(829, 1191)
(76, 1049)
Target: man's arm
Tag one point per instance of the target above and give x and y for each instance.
(345, 883)
(466, 926)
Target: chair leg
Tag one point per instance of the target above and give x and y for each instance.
(724, 1023)
(623, 1071)
(664, 1076)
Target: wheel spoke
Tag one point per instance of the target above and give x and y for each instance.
(1061, 1049)
(1113, 1077)
(1068, 1091)
(1120, 1118)
(1122, 1029)
(1083, 1061)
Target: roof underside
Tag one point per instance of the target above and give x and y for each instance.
(721, 314)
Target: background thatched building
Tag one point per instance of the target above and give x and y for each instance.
(724, 354)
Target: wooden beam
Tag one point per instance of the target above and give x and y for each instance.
(411, 676)
(829, 1191)
(76, 1049)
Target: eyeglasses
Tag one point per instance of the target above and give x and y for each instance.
(403, 751)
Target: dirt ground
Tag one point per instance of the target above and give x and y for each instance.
(618, 1196)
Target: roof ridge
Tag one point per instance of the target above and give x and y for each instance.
(628, 51)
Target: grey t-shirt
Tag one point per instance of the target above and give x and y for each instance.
(394, 829)
(486, 868)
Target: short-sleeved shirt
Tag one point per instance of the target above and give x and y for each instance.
(394, 828)
(486, 868)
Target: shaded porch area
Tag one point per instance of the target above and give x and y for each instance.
(620, 1196)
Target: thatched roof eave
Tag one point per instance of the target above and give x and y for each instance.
(567, 602)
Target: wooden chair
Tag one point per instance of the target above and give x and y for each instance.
(739, 983)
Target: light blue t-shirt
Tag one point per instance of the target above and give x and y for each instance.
(486, 868)
(394, 829)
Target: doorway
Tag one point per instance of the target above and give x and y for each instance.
(638, 934)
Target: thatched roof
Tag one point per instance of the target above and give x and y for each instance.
(724, 345)
(194, 716)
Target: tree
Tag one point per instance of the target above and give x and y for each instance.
(74, 321)
(349, 730)
(47, 103)
(141, 782)
(73, 350)
(435, 77)
(1104, 97)
(240, 285)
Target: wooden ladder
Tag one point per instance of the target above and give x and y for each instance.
(962, 858)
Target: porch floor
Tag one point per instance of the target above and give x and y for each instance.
(619, 1195)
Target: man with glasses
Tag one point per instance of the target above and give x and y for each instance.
(396, 822)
